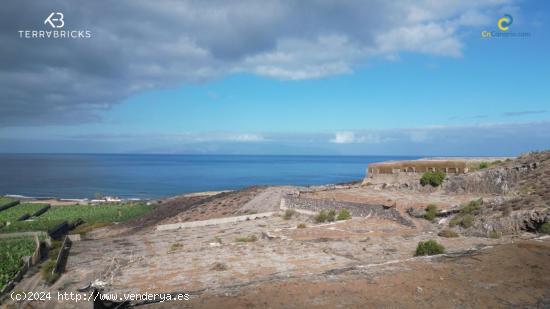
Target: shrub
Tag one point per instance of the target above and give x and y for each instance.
(464, 221)
(47, 269)
(431, 212)
(175, 247)
(301, 226)
(448, 234)
(483, 165)
(250, 238)
(495, 234)
(472, 208)
(321, 217)
(545, 228)
(430, 247)
(343, 214)
(331, 216)
(54, 249)
(433, 179)
(288, 214)
(467, 221)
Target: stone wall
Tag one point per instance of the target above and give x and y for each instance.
(355, 209)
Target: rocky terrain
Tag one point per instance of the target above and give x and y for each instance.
(284, 258)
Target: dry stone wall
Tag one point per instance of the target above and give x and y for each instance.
(355, 209)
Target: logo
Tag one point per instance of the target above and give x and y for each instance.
(505, 22)
(55, 22)
(503, 25)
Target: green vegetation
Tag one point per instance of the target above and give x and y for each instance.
(175, 246)
(430, 247)
(483, 165)
(495, 234)
(289, 213)
(13, 213)
(250, 238)
(47, 272)
(331, 215)
(472, 208)
(6, 200)
(464, 221)
(88, 227)
(324, 216)
(431, 212)
(49, 265)
(301, 226)
(11, 252)
(343, 214)
(321, 217)
(91, 214)
(433, 179)
(466, 217)
(545, 228)
(448, 234)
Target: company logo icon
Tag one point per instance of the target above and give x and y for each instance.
(503, 25)
(55, 20)
(505, 22)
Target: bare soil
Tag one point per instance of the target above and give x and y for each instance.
(515, 275)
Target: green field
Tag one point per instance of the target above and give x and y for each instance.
(11, 252)
(89, 213)
(13, 213)
(5, 200)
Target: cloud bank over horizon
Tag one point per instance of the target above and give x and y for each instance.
(138, 46)
(482, 140)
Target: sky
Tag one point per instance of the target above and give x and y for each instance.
(276, 77)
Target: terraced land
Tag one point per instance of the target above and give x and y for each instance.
(12, 214)
(11, 252)
(5, 200)
(58, 214)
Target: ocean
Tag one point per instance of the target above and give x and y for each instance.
(154, 176)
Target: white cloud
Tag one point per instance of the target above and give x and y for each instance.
(246, 138)
(139, 45)
(344, 138)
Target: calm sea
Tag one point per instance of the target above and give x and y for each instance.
(153, 176)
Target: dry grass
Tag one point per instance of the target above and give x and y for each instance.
(249, 238)
(88, 227)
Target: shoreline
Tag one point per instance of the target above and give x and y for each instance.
(55, 201)
(59, 201)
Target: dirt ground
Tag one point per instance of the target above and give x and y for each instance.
(515, 275)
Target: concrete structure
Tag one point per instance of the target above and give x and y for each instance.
(418, 166)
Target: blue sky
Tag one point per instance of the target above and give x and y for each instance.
(429, 86)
